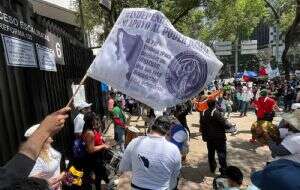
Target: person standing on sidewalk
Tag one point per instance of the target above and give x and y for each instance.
(120, 124)
(212, 126)
(246, 97)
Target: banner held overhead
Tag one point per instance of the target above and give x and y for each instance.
(146, 58)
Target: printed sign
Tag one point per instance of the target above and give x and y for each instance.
(12, 26)
(249, 47)
(18, 52)
(146, 58)
(80, 96)
(55, 43)
(46, 57)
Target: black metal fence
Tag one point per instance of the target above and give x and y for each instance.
(29, 94)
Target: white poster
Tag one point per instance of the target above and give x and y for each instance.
(46, 58)
(146, 58)
(80, 96)
(18, 52)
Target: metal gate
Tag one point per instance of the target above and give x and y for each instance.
(27, 95)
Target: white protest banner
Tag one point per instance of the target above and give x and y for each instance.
(146, 58)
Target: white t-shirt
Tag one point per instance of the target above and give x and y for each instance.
(155, 162)
(78, 123)
(292, 143)
(50, 168)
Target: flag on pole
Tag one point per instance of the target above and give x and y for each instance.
(145, 57)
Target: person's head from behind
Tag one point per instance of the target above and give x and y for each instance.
(98, 125)
(211, 104)
(234, 176)
(161, 125)
(89, 121)
(263, 93)
(30, 183)
(112, 95)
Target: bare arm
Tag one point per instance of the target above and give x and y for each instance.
(91, 148)
(49, 126)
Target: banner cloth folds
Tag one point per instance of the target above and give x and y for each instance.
(145, 57)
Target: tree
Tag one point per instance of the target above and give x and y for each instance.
(177, 11)
(282, 14)
(292, 36)
(231, 18)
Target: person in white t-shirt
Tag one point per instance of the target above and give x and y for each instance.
(155, 162)
(47, 165)
(83, 108)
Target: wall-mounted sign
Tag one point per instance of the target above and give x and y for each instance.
(18, 52)
(55, 43)
(46, 57)
(29, 34)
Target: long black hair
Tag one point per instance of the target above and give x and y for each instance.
(89, 121)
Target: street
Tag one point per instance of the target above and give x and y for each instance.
(195, 172)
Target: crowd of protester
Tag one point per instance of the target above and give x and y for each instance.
(155, 159)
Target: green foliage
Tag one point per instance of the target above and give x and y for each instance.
(286, 11)
(233, 17)
(216, 20)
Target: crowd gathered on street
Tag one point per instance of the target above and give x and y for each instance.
(155, 158)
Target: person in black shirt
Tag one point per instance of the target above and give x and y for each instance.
(14, 175)
(213, 126)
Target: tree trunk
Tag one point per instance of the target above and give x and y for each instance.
(292, 36)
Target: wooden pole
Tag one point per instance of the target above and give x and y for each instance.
(77, 90)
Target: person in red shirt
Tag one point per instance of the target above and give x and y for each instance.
(265, 107)
(95, 147)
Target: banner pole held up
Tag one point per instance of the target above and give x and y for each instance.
(77, 90)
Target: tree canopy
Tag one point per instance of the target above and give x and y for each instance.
(205, 20)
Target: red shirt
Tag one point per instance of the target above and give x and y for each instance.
(264, 105)
(98, 138)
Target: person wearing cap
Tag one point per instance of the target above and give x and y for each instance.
(15, 173)
(265, 107)
(47, 165)
(83, 108)
(155, 162)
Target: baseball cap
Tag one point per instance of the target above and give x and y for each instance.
(278, 175)
(83, 105)
(31, 130)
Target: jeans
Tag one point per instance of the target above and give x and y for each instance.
(244, 107)
(119, 135)
(218, 146)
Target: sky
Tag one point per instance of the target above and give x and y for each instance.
(63, 3)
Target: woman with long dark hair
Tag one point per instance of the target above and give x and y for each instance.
(94, 162)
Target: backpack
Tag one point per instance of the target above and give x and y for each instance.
(79, 148)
